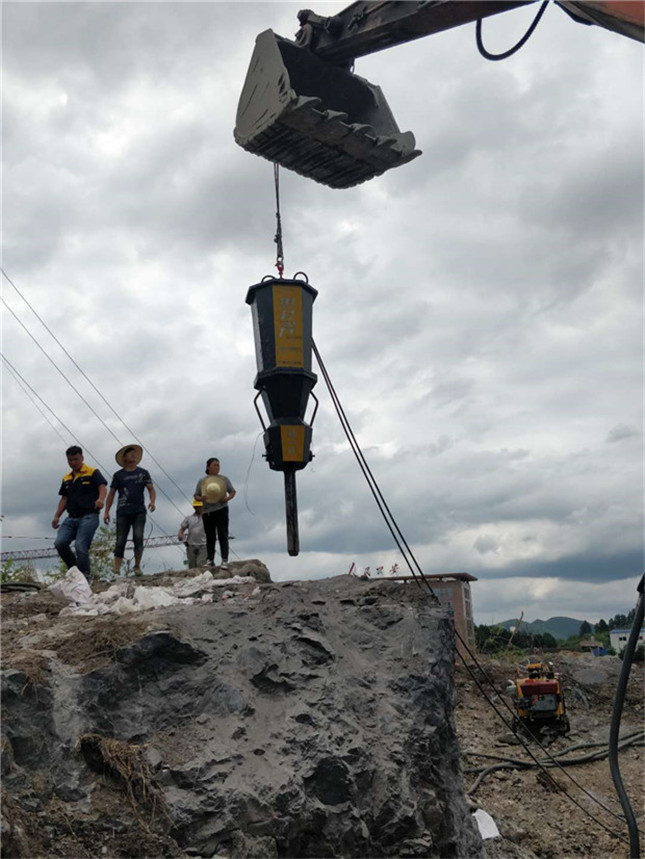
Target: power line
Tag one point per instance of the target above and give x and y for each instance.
(80, 443)
(36, 394)
(86, 403)
(85, 376)
(58, 369)
(28, 394)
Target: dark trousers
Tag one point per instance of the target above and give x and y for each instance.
(125, 521)
(78, 530)
(216, 523)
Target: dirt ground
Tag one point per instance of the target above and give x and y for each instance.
(537, 815)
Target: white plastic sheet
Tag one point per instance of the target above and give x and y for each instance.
(73, 587)
(120, 598)
(189, 587)
(153, 598)
(486, 825)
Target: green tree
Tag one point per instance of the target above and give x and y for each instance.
(549, 641)
(601, 626)
(585, 628)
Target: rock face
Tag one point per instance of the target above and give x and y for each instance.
(311, 719)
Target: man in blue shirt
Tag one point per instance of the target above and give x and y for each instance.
(82, 494)
(130, 482)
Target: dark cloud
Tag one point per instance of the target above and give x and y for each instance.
(479, 310)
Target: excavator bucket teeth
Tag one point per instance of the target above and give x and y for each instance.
(315, 118)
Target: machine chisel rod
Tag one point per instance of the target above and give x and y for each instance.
(291, 503)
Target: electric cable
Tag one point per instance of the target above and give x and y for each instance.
(49, 408)
(33, 401)
(102, 467)
(628, 658)
(58, 369)
(371, 480)
(94, 387)
(482, 50)
(542, 748)
(382, 506)
(246, 482)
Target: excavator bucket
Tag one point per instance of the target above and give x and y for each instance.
(315, 118)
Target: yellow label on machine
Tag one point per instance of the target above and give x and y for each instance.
(293, 443)
(287, 321)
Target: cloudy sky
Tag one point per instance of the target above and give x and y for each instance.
(479, 309)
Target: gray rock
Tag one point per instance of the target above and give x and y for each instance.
(273, 730)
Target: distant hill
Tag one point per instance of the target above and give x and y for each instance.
(559, 627)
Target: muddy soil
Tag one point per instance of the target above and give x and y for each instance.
(558, 813)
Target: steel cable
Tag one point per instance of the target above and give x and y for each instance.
(392, 525)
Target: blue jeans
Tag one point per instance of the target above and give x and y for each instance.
(123, 523)
(80, 531)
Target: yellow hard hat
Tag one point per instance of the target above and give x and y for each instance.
(197, 503)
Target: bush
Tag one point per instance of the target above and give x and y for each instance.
(101, 556)
(10, 571)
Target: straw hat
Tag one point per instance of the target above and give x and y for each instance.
(120, 453)
(213, 488)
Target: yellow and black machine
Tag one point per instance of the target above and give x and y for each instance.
(539, 700)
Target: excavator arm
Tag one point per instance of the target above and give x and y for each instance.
(366, 27)
(302, 107)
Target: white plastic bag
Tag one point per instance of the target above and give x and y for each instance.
(189, 587)
(486, 825)
(73, 587)
(153, 598)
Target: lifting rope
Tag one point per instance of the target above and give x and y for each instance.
(279, 262)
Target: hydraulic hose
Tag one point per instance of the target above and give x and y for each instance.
(628, 658)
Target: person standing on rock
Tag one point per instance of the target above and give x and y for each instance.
(130, 482)
(82, 494)
(215, 491)
(196, 537)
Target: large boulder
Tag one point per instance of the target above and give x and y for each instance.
(310, 719)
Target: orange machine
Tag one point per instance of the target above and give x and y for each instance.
(539, 699)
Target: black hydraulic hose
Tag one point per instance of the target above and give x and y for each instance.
(628, 658)
(488, 56)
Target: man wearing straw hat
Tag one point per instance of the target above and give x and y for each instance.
(215, 491)
(130, 482)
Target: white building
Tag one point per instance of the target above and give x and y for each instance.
(618, 638)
